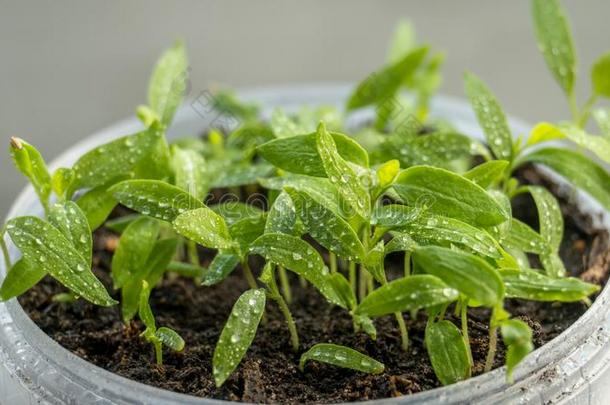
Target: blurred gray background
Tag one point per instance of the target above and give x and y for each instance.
(69, 68)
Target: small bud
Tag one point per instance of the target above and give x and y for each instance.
(16, 143)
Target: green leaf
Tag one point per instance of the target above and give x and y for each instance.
(170, 338)
(205, 227)
(235, 175)
(437, 230)
(159, 259)
(544, 132)
(517, 336)
(343, 290)
(72, 223)
(488, 173)
(552, 263)
(282, 216)
(114, 159)
(155, 198)
(299, 154)
(490, 116)
(341, 356)
(468, 274)
(234, 211)
(284, 126)
(395, 215)
(549, 216)
(61, 180)
(134, 248)
(30, 163)
(341, 174)
(406, 294)
(168, 82)
(374, 262)
(189, 172)
(577, 168)
(602, 118)
(532, 285)
(447, 352)
(521, 236)
(387, 172)
(144, 311)
(238, 333)
(401, 242)
(96, 204)
(383, 84)
(119, 224)
(45, 246)
(326, 227)
(225, 102)
(599, 145)
(402, 41)
(221, 266)
(298, 256)
(24, 275)
(450, 195)
(555, 41)
(245, 231)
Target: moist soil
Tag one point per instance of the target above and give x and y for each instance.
(269, 372)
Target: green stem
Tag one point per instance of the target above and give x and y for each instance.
(332, 258)
(7, 259)
(292, 328)
(248, 273)
(586, 110)
(352, 276)
(285, 284)
(493, 341)
(407, 264)
(185, 269)
(158, 351)
(573, 107)
(464, 319)
(362, 274)
(193, 255)
(404, 333)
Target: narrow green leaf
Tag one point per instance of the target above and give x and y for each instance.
(549, 216)
(155, 198)
(395, 215)
(234, 211)
(468, 274)
(521, 236)
(447, 352)
(205, 227)
(96, 204)
(282, 216)
(599, 145)
(449, 194)
(168, 82)
(387, 172)
(238, 333)
(21, 277)
(406, 294)
(343, 290)
(72, 223)
(299, 154)
(326, 227)
(486, 174)
(374, 262)
(490, 116)
(600, 75)
(544, 132)
(61, 180)
(221, 266)
(190, 172)
(170, 338)
(403, 40)
(555, 41)
(159, 259)
(119, 224)
(235, 175)
(225, 102)
(30, 163)
(341, 174)
(144, 311)
(134, 248)
(552, 264)
(341, 356)
(532, 285)
(401, 242)
(517, 336)
(45, 246)
(579, 169)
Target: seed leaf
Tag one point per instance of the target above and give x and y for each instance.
(282, 216)
(555, 41)
(341, 356)
(155, 198)
(468, 274)
(134, 248)
(170, 338)
(21, 277)
(486, 174)
(522, 237)
(532, 285)
(326, 227)
(406, 294)
(30, 163)
(490, 116)
(96, 204)
(189, 172)
(448, 352)
(238, 333)
(299, 154)
(205, 227)
(578, 168)
(168, 82)
(449, 194)
(221, 266)
(144, 311)
(341, 174)
(517, 336)
(45, 246)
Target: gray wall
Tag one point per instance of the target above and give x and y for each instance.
(68, 68)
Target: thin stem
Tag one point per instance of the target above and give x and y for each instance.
(7, 259)
(285, 284)
(193, 255)
(586, 110)
(493, 341)
(248, 273)
(464, 319)
(573, 107)
(158, 351)
(404, 334)
(407, 264)
(332, 258)
(352, 275)
(292, 328)
(362, 274)
(370, 283)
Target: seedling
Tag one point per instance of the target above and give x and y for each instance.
(382, 189)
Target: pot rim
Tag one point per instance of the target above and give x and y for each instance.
(55, 374)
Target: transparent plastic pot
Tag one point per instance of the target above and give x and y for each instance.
(574, 367)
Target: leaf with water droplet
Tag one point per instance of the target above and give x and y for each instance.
(238, 333)
(45, 246)
(96, 204)
(326, 227)
(22, 276)
(517, 337)
(400, 242)
(406, 294)
(488, 173)
(467, 273)
(343, 290)
(521, 236)
(448, 352)
(599, 145)
(282, 216)
(30, 163)
(284, 126)
(168, 82)
(299, 154)
(205, 227)
(341, 356)
(449, 194)
(234, 211)
(61, 180)
(245, 231)
(170, 338)
(555, 41)
(235, 175)
(190, 171)
(532, 285)
(374, 262)
(490, 116)
(549, 216)
(221, 266)
(72, 223)
(393, 216)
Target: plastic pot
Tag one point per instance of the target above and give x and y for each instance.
(574, 367)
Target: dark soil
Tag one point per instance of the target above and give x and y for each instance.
(269, 372)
